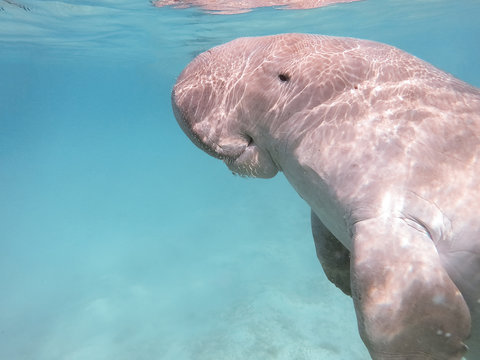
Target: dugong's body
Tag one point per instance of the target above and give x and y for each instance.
(385, 149)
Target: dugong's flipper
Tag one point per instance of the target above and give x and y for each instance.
(333, 256)
(407, 306)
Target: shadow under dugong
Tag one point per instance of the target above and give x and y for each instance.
(385, 148)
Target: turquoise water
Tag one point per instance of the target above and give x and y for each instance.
(118, 238)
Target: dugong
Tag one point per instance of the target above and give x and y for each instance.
(384, 148)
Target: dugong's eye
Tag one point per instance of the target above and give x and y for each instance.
(284, 77)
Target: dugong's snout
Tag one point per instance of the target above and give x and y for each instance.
(187, 127)
(209, 105)
(207, 135)
(237, 149)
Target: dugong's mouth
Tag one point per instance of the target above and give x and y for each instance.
(222, 138)
(228, 149)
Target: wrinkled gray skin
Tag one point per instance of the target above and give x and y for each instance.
(384, 148)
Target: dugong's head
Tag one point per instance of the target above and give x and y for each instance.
(245, 101)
